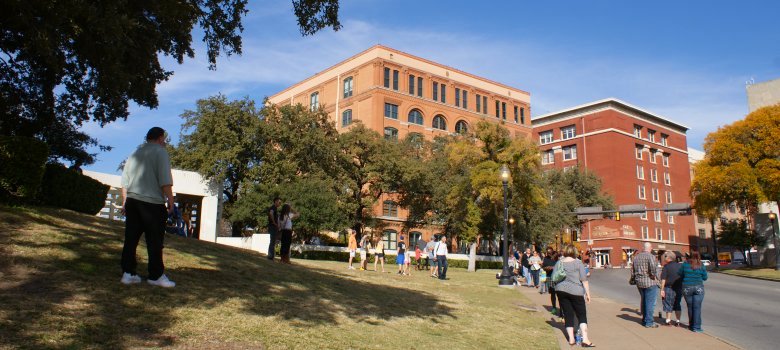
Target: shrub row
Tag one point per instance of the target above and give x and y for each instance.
(23, 160)
(69, 189)
(389, 259)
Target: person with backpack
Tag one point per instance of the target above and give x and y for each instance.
(573, 294)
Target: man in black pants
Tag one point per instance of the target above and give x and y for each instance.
(547, 265)
(273, 226)
(147, 184)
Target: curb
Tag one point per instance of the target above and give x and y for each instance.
(743, 276)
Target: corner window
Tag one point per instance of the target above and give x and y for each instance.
(415, 117)
(461, 127)
(546, 137)
(439, 122)
(314, 101)
(391, 111)
(568, 132)
(570, 152)
(346, 117)
(391, 134)
(348, 87)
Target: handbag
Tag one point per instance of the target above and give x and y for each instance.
(559, 273)
(632, 280)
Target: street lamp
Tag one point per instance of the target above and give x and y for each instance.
(512, 232)
(773, 222)
(506, 275)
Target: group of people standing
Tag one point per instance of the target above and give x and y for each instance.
(280, 225)
(677, 280)
(435, 251)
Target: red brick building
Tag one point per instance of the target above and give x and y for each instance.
(641, 157)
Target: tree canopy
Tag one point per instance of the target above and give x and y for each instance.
(64, 63)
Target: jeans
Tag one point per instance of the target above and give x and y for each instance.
(535, 277)
(286, 241)
(649, 296)
(272, 243)
(142, 218)
(694, 296)
(527, 274)
(442, 266)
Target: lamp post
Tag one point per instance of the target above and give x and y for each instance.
(506, 275)
(512, 234)
(773, 222)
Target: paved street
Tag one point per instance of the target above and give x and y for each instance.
(745, 312)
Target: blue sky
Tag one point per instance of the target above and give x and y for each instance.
(685, 60)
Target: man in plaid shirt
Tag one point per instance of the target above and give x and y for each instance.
(645, 273)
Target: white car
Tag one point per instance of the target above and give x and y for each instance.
(705, 263)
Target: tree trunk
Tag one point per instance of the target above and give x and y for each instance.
(473, 257)
(236, 229)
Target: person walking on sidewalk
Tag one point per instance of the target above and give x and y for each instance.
(535, 265)
(573, 294)
(147, 184)
(527, 267)
(644, 272)
(693, 275)
(548, 264)
(671, 288)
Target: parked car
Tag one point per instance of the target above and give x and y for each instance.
(706, 263)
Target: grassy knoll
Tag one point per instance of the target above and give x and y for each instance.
(763, 273)
(59, 288)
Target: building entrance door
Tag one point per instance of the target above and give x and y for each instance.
(602, 258)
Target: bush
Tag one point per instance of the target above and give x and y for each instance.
(67, 188)
(23, 160)
(389, 259)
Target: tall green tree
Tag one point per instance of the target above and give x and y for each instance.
(736, 233)
(66, 62)
(225, 142)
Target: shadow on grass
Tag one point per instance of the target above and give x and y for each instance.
(60, 289)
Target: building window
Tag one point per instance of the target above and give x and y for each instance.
(570, 152)
(348, 87)
(479, 103)
(670, 219)
(702, 233)
(415, 117)
(346, 117)
(637, 131)
(546, 137)
(642, 192)
(640, 172)
(391, 134)
(643, 215)
(639, 150)
(419, 86)
(666, 160)
(391, 239)
(390, 208)
(387, 77)
(548, 157)
(672, 235)
(653, 175)
(517, 115)
(461, 127)
(667, 179)
(652, 156)
(498, 109)
(650, 135)
(395, 80)
(503, 110)
(414, 237)
(701, 219)
(465, 99)
(568, 132)
(415, 139)
(522, 115)
(645, 232)
(443, 93)
(668, 197)
(439, 122)
(435, 91)
(656, 196)
(457, 97)
(657, 215)
(664, 139)
(314, 101)
(411, 84)
(391, 111)
(659, 234)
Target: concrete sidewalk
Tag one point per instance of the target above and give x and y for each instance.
(612, 325)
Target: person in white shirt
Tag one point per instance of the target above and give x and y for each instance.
(441, 257)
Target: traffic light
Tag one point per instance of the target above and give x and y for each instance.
(617, 216)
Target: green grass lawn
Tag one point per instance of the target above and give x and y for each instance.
(767, 273)
(59, 288)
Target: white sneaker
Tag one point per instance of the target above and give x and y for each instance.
(163, 281)
(127, 278)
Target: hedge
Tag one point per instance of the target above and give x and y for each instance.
(69, 189)
(23, 162)
(389, 259)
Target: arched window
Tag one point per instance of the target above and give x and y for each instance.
(461, 127)
(391, 134)
(439, 122)
(348, 87)
(314, 101)
(390, 208)
(391, 239)
(415, 117)
(346, 117)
